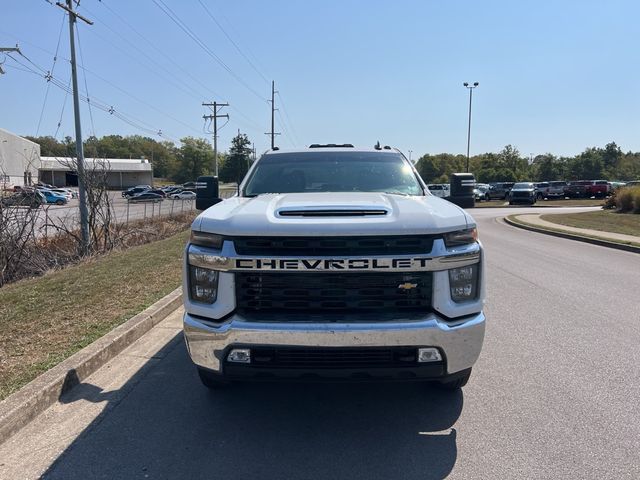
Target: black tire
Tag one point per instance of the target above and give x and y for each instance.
(212, 380)
(59, 202)
(510, 203)
(456, 383)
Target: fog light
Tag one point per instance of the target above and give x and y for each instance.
(240, 355)
(429, 355)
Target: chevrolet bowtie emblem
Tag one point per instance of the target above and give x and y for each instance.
(407, 286)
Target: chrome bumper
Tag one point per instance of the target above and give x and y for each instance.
(460, 340)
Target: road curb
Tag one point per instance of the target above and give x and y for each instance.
(572, 236)
(18, 409)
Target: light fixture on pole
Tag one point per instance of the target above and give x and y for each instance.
(470, 87)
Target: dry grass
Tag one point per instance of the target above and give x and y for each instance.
(602, 221)
(47, 319)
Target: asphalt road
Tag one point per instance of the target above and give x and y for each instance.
(555, 394)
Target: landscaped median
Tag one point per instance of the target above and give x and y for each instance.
(606, 228)
(47, 319)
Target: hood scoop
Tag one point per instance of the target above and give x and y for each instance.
(332, 212)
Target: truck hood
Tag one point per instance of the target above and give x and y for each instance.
(332, 214)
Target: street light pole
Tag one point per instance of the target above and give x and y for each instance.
(470, 87)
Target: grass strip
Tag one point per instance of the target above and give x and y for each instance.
(515, 219)
(45, 320)
(602, 220)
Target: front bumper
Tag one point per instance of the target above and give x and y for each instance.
(459, 341)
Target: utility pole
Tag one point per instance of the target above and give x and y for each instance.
(470, 87)
(82, 194)
(215, 116)
(8, 49)
(273, 133)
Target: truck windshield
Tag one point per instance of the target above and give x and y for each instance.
(333, 172)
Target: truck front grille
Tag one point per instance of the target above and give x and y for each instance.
(520, 194)
(334, 246)
(338, 292)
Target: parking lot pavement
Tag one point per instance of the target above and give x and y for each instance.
(554, 395)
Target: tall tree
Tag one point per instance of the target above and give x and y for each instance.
(236, 163)
(194, 158)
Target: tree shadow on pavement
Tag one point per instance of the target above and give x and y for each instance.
(164, 424)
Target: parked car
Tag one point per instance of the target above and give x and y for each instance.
(500, 190)
(556, 189)
(64, 192)
(481, 192)
(598, 188)
(157, 191)
(184, 195)
(146, 197)
(542, 190)
(441, 190)
(577, 188)
(633, 183)
(134, 191)
(31, 199)
(523, 192)
(53, 197)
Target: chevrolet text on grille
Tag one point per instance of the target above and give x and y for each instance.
(199, 258)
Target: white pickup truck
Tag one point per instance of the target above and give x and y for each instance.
(333, 262)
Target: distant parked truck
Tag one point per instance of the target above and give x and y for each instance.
(577, 188)
(500, 190)
(598, 188)
(441, 190)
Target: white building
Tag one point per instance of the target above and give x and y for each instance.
(19, 160)
(122, 172)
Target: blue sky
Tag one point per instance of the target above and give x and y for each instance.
(555, 76)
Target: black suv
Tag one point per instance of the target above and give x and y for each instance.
(24, 198)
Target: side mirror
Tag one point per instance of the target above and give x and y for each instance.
(207, 192)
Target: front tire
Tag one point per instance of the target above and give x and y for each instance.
(59, 202)
(211, 380)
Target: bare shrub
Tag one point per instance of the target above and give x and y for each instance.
(103, 230)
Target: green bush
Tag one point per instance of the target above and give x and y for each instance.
(628, 199)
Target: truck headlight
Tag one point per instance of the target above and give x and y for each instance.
(461, 237)
(203, 284)
(463, 283)
(205, 239)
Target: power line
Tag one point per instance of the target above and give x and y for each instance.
(53, 66)
(285, 129)
(86, 87)
(232, 42)
(175, 19)
(290, 127)
(248, 122)
(98, 103)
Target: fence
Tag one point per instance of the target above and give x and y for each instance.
(123, 212)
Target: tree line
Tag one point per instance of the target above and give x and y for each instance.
(509, 165)
(194, 157)
(178, 163)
